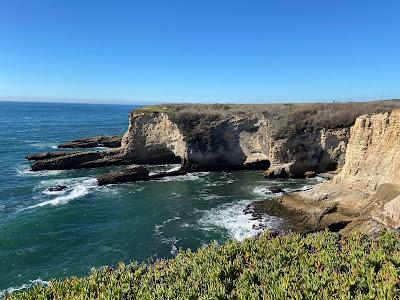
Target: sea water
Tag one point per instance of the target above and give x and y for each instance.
(46, 235)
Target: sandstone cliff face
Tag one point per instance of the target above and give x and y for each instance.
(365, 195)
(152, 138)
(373, 154)
(231, 142)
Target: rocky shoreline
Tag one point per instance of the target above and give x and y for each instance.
(227, 138)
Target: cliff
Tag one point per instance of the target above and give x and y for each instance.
(365, 195)
(373, 154)
(287, 140)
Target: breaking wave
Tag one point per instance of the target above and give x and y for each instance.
(25, 170)
(25, 286)
(76, 188)
(232, 218)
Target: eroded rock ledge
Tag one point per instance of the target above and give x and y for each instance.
(92, 142)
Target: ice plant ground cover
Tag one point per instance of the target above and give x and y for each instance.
(314, 266)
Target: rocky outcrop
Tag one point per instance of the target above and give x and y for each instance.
(92, 142)
(365, 195)
(373, 155)
(129, 174)
(47, 155)
(287, 140)
(135, 173)
(153, 138)
(222, 142)
(82, 160)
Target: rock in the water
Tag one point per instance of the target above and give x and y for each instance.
(129, 174)
(47, 155)
(309, 174)
(92, 142)
(276, 189)
(57, 188)
(257, 165)
(81, 160)
(277, 171)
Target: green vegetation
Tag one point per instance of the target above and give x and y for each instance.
(315, 266)
(153, 108)
(286, 120)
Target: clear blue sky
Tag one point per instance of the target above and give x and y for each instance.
(199, 51)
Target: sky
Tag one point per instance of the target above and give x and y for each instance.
(199, 50)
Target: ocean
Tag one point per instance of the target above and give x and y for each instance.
(45, 235)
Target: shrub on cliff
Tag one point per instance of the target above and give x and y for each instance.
(315, 266)
(287, 120)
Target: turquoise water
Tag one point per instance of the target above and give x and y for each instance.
(53, 235)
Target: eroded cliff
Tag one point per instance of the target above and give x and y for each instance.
(285, 140)
(235, 140)
(365, 195)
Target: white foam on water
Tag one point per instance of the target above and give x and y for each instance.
(43, 145)
(303, 188)
(189, 176)
(76, 188)
(158, 230)
(175, 168)
(261, 191)
(161, 168)
(232, 218)
(25, 286)
(25, 170)
(320, 179)
(53, 193)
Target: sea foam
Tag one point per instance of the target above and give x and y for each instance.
(232, 218)
(25, 170)
(22, 287)
(78, 189)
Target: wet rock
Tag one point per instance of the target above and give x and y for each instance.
(129, 174)
(57, 188)
(92, 142)
(276, 189)
(309, 174)
(277, 172)
(47, 155)
(81, 160)
(257, 165)
(248, 209)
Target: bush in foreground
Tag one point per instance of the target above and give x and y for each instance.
(316, 266)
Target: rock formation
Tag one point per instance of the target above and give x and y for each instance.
(364, 196)
(129, 174)
(47, 155)
(287, 140)
(92, 142)
(232, 141)
(81, 160)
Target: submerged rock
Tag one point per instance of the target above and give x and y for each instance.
(129, 174)
(92, 142)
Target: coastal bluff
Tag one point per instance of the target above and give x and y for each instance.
(365, 195)
(359, 142)
(284, 140)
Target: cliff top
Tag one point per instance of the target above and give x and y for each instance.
(287, 119)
